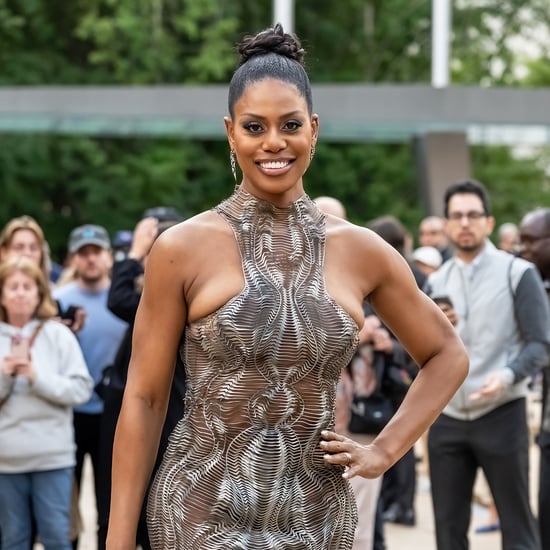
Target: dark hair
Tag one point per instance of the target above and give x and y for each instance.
(467, 187)
(271, 53)
(440, 300)
(391, 230)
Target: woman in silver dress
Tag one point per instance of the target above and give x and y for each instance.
(267, 292)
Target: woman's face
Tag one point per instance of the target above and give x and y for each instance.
(20, 297)
(24, 242)
(272, 134)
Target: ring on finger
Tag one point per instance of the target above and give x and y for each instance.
(348, 459)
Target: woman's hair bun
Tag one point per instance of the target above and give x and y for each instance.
(271, 40)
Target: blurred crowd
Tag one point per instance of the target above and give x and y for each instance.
(65, 344)
(66, 340)
(502, 397)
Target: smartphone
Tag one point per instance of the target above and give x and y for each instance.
(69, 313)
(19, 346)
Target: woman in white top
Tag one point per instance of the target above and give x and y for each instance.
(42, 376)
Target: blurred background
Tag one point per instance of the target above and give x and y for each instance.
(65, 178)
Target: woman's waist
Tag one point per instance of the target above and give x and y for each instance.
(233, 416)
(259, 455)
(200, 434)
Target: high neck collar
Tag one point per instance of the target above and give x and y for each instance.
(242, 194)
(242, 202)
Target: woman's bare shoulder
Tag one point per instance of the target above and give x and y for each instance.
(357, 258)
(360, 240)
(200, 229)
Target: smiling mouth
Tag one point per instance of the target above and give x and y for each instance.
(273, 164)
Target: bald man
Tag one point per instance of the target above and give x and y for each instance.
(330, 205)
(431, 232)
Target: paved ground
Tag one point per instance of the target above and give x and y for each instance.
(420, 537)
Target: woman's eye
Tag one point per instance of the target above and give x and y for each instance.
(253, 127)
(293, 125)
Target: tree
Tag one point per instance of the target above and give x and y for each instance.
(67, 180)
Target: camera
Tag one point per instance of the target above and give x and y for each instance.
(70, 313)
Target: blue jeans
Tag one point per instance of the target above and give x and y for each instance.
(47, 495)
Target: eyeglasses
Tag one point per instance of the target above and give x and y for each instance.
(470, 216)
(529, 240)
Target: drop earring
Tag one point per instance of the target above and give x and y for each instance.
(312, 152)
(233, 161)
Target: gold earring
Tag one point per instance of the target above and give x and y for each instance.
(233, 162)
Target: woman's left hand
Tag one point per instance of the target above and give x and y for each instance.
(359, 460)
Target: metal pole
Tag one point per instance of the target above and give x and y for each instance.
(283, 12)
(441, 36)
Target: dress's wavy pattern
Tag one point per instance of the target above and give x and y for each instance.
(244, 469)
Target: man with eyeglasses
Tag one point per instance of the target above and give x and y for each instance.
(503, 319)
(534, 235)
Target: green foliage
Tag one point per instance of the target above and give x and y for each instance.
(538, 73)
(483, 45)
(368, 40)
(516, 185)
(362, 178)
(76, 180)
(153, 41)
(67, 180)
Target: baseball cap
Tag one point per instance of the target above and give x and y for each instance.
(88, 234)
(428, 255)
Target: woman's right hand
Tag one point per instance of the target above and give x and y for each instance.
(13, 366)
(144, 236)
(368, 461)
(79, 320)
(10, 364)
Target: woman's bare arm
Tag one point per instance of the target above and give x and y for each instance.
(160, 320)
(432, 342)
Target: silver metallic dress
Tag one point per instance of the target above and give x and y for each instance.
(243, 469)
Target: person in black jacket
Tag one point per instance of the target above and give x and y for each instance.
(124, 296)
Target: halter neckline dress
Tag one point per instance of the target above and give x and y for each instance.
(243, 469)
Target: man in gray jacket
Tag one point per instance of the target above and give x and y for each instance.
(503, 320)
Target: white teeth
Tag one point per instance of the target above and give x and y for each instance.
(274, 164)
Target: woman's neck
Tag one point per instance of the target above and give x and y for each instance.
(18, 320)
